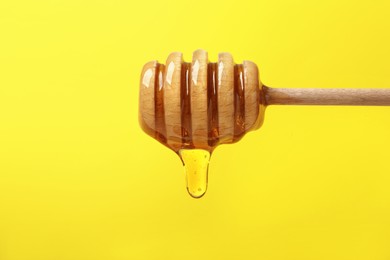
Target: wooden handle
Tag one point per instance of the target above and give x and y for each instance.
(321, 96)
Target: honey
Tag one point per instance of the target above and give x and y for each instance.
(196, 165)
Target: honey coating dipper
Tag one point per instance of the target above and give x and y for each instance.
(193, 107)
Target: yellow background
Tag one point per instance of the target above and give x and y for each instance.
(80, 180)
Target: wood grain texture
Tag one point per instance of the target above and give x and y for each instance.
(335, 97)
(199, 99)
(172, 99)
(252, 88)
(146, 97)
(226, 97)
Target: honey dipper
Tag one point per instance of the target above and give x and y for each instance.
(193, 107)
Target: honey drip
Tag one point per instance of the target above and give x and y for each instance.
(196, 166)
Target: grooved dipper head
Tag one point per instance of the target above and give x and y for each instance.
(200, 104)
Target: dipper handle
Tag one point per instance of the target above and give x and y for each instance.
(324, 96)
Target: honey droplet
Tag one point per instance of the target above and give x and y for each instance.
(196, 165)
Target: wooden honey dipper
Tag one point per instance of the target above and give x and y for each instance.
(200, 105)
